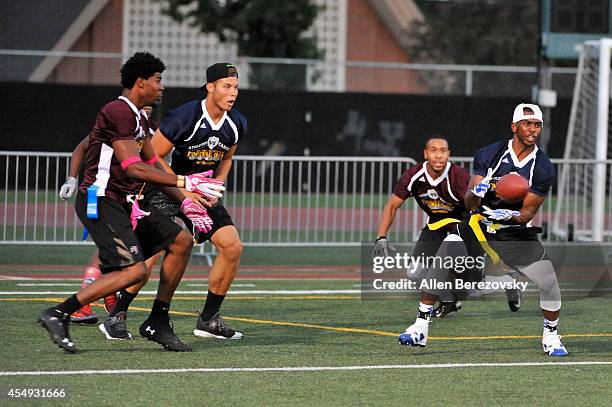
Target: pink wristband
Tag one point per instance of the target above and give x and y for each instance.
(151, 160)
(129, 161)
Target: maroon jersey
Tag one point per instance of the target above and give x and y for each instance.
(440, 198)
(118, 120)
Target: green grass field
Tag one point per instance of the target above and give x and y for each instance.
(354, 340)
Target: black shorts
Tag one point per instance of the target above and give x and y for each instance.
(516, 246)
(430, 240)
(118, 244)
(171, 207)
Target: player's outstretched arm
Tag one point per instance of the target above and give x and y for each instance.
(531, 204)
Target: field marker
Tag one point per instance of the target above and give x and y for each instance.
(297, 368)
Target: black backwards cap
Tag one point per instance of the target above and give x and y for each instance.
(219, 71)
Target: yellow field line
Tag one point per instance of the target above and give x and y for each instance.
(342, 329)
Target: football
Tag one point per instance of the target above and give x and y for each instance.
(512, 188)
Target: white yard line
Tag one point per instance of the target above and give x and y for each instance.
(295, 369)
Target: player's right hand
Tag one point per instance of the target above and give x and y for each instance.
(197, 215)
(67, 190)
(202, 184)
(382, 247)
(483, 186)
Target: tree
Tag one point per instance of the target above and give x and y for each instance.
(477, 32)
(260, 28)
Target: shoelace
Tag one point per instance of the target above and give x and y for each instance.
(221, 325)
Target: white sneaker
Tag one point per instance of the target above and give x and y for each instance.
(415, 334)
(551, 342)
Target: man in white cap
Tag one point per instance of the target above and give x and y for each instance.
(506, 227)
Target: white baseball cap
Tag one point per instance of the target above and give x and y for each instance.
(519, 113)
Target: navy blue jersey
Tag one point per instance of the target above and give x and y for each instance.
(199, 144)
(500, 157)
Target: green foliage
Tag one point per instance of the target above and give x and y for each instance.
(260, 28)
(477, 32)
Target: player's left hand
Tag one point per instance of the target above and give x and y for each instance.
(197, 215)
(499, 214)
(196, 198)
(382, 247)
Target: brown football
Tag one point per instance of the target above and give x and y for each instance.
(512, 188)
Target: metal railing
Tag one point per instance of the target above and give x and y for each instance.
(275, 201)
(451, 79)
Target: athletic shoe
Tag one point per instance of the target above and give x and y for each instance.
(515, 299)
(551, 342)
(415, 334)
(446, 308)
(56, 323)
(84, 316)
(163, 333)
(215, 328)
(115, 327)
(109, 302)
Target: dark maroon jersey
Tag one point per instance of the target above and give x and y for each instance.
(440, 198)
(118, 120)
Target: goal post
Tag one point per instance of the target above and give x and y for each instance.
(588, 138)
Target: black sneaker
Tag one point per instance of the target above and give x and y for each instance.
(163, 333)
(446, 308)
(56, 323)
(515, 298)
(215, 328)
(115, 327)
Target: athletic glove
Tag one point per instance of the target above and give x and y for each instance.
(499, 214)
(68, 188)
(483, 186)
(202, 184)
(382, 247)
(197, 215)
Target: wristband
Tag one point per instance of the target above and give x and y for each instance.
(151, 160)
(381, 238)
(129, 161)
(180, 181)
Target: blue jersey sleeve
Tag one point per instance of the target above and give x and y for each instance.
(178, 123)
(481, 163)
(241, 123)
(544, 176)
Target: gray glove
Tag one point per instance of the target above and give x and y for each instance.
(68, 188)
(382, 247)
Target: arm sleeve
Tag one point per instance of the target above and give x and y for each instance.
(117, 125)
(459, 181)
(401, 186)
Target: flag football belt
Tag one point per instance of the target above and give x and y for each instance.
(441, 223)
(474, 223)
